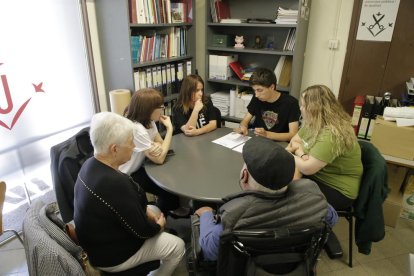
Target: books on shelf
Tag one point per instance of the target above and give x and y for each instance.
(220, 10)
(283, 71)
(279, 66)
(153, 46)
(178, 14)
(237, 69)
(242, 73)
(290, 40)
(286, 16)
(223, 10)
(160, 11)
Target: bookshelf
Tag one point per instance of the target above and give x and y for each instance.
(118, 29)
(268, 32)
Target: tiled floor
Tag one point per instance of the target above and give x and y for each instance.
(388, 257)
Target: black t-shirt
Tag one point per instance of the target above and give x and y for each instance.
(275, 116)
(204, 117)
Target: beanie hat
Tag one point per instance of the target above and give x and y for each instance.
(271, 165)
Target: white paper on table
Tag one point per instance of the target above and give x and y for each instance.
(405, 122)
(231, 140)
(239, 148)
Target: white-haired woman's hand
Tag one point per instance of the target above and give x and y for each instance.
(162, 221)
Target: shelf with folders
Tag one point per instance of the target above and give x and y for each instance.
(165, 77)
(118, 21)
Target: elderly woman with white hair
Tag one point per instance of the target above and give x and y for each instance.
(113, 223)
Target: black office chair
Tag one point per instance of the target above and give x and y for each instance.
(219, 119)
(375, 167)
(281, 251)
(66, 160)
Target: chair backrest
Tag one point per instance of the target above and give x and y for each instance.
(283, 250)
(218, 114)
(374, 178)
(2, 198)
(49, 251)
(66, 160)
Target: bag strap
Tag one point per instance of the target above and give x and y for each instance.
(108, 205)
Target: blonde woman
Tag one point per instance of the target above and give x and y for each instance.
(326, 148)
(194, 114)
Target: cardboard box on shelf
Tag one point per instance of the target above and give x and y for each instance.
(393, 140)
(392, 209)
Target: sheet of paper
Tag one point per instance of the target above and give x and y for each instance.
(405, 122)
(231, 140)
(239, 148)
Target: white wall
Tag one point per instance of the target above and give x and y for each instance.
(329, 19)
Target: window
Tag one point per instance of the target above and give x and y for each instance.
(45, 90)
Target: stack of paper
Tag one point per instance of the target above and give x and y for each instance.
(404, 116)
(221, 100)
(232, 141)
(286, 16)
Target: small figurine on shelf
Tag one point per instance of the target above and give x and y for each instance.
(239, 42)
(270, 42)
(258, 42)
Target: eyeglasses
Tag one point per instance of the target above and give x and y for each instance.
(162, 107)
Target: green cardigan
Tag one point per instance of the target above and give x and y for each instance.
(369, 223)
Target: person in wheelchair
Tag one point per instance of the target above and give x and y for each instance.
(274, 195)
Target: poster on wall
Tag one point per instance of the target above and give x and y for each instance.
(377, 20)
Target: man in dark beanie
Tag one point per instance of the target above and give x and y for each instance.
(272, 197)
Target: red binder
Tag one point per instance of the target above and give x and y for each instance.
(237, 68)
(223, 10)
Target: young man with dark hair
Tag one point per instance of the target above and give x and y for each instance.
(276, 114)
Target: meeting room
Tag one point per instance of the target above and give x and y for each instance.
(207, 137)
